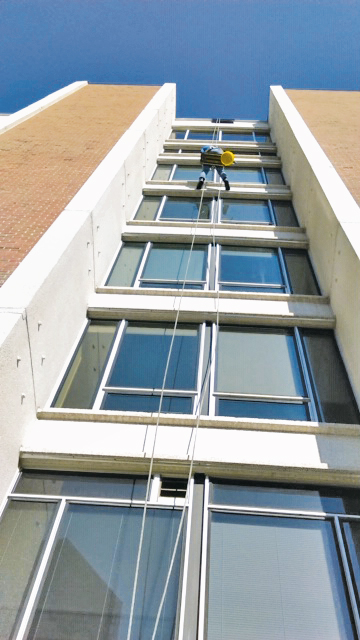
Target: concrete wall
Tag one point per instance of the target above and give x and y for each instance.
(331, 216)
(43, 304)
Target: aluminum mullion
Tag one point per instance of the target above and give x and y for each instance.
(159, 211)
(182, 611)
(284, 271)
(199, 376)
(204, 557)
(100, 393)
(217, 251)
(258, 511)
(348, 578)
(252, 284)
(307, 381)
(263, 175)
(41, 571)
(208, 269)
(143, 260)
(212, 399)
(257, 396)
(149, 392)
(272, 213)
(172, 172)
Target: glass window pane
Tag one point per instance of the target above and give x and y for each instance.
(126, 266)
(177, 135)
(81, 381)
(250, 265)
(137, 402)
(274, 176)
(262, 410)
(352, 536)
(184, 172)
(143, 353)
(184, 209)
(261, 137)
(162, 172)
(202, 135)
(300, 498)
(251, 211)
(23, 533)
(300, 272)
(246, 137)
(148, 208)
(258, 361)
(88, 590)
(332, 385)
(82, 484)
(175, 262)
(274, 578)
(244, 175)
(284, 213)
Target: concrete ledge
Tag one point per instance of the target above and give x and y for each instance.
(14, 119)
(244, 190)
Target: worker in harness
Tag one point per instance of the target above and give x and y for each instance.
(211, 157)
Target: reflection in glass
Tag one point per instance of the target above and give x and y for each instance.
(183, 172)
(88, 589)
(272, 578)
(202, 135)
(262, 410)
(244, 175)
(245, 137)
(329, 500)
(333, 389)
(23, 534)
(274, 176)
(124, 271)
(352, 536)
(261, 361)
(284, 213)
(148, 208)
(81, 381)
(177, 135)
(301, 275)
(143, 353)
(184, 209)
(82, 484)
(162, 172)
(250, 267)
(149, 403)
(251, 211)
(175, 263)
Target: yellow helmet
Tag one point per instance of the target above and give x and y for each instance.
(227, 158)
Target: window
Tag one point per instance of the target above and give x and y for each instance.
(161, 265)
(228, 209)
(263, 560)
(216, 135)
(235, 174)
(85, 550)
(256, 372)
(174, 266)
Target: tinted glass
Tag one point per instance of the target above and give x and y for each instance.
(184, 209)
(265, 410)
(148, 208)
(137, 402)
(202, 135)
(274, 578)
(332, 385)
(250, 266)
(81, 382)
(261, 137)
(274, 176)
(301, 275)
(258, 361)
(23, 533)
(284, 213)
(162, 172)
(352, 536)
(143, 353)
(246, 137)
(82, 484)
(244, 175)
(88, 589)
(299, 498)
(251, 211)
(189, 173)
(126, 266)
(175, 262)
(178, 135)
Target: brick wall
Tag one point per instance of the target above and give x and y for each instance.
(45, 160)
(334, 119)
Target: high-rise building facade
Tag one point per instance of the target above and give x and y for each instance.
(181, 387)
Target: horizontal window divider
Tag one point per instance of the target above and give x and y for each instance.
(19, 497)
(267, 511)
(150, 392)
(259, 285)
(263, 397)
(258, 238)
(69, 498)
(209, 422)
(212, 293)
(167, 280)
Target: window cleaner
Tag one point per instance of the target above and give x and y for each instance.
(212, 156)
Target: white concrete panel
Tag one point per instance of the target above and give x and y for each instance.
(17, 400)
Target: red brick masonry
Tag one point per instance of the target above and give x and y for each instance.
(45, 160)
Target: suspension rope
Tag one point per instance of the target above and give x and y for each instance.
(136, 577)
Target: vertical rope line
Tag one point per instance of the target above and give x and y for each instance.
(136, 577)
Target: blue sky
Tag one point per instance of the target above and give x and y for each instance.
(222, 54)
